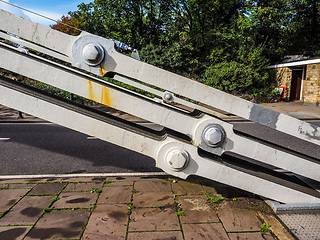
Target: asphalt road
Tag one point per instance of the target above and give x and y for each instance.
(44, 148)
(280, 139)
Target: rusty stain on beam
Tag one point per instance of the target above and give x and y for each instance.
(99, 93)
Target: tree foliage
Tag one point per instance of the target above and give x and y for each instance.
(233, 41)
(233, 77)
(68, 24)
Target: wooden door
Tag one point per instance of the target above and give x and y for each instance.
(296, 85)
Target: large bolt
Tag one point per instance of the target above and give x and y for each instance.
(93, 54)
(167, 97)
(213, 135)
(177, 159)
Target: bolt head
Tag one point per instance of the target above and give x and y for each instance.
(167, 97)
(177, 159)
(213, 135)
(93, 54)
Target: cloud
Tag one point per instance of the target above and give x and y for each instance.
(52, 9)
(30, 16)
(14, 10)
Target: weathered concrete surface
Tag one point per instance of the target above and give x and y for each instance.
(81, 187)
(153, 199)
(197, 209)
(132, 208)
(108, 222)
(153, 219)
(186, 188)
(76, 200)
(204, 231)
(9, 196)
(240, 220)
(15, 232)
(115, 195)
(26, 211)
(52, 188)
(156, 235)
(250, 236)
(60, 224)
(153, 186)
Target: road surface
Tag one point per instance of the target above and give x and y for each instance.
(45, 148)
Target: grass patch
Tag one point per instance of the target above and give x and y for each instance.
(265, 228)
(94, 190)
(180, 212)
(217, 199)
(133, 191)
(130, 207)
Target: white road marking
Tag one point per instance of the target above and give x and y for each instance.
(84, 175)
(4, 139)
(90, 138)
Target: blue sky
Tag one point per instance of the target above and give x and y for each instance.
(51, 8)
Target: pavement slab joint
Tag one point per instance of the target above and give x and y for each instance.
(135, 212)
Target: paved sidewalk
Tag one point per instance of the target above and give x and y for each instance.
(295, 109)
(132, 208)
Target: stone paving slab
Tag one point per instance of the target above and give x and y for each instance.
(153, 199)
(172, 235)
(239, 220)
(26, 180)
(204, 231)
(275, 226)
(186, 188)
(119, 183)
(27, 211)
(197, 210)
(80, 187)
(15, 186)
(108, 222)
(50, 188)
(115, 195)
(60, 224)
(76, 200)
(251, 236)
(83, 179)
(15, 232)
(9, 196)
(135, 211)
(153, 186)
(153, 219)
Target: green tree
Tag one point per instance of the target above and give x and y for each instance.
(68, 24)
(191, 36)
(177, 35)
(303, 32)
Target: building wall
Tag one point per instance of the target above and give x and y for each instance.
(282, 77)
(311, 82)
(311, 85)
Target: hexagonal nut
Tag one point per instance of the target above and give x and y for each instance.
(177, 159)
(93, 54)
(213, 135)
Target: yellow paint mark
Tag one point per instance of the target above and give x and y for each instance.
(91, 94)
(105, 96)
(102, 71)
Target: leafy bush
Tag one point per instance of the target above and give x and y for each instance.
(233, 77)
(62, 93)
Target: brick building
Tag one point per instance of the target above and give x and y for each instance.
(301, 79)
